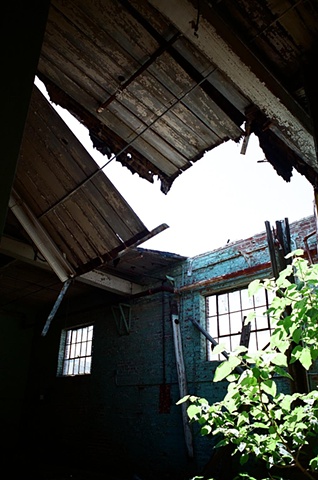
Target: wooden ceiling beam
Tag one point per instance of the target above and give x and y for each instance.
(106, 281)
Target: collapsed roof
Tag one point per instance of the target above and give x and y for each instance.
(159, 83)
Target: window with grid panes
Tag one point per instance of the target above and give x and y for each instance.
(77, 351)
(225, 315)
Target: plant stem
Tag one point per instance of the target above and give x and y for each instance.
(297, 464)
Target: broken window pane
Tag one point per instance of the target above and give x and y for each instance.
(225, 314)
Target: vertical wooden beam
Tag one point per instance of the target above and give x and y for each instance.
(181, 375)
(278, 250)
(271, 248)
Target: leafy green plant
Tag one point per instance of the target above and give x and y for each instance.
(260, 421)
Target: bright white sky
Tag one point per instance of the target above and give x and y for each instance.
(224, 196)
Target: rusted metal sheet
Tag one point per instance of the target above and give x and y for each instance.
(80, 209)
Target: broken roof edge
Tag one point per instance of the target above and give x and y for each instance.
(163, 253)
(113, 147)
(278, 151)
(165, 182)
(105, 140)
(257, 236)
(118, 252)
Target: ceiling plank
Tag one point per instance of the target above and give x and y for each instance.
(209, 42)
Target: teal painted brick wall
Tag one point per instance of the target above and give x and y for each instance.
(124, 415)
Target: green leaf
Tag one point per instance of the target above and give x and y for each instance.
(305, 358)
(249, 380)
(285, 402)
(264, 398)
(242, 419)
(314, 353)
(279, 341)
(260, 425)
(246, 475)
(269, 387)
(282, 373)
(221, 443)
(240, 349)
(295, 253)
(244, 459)
(254, 287)
(183, 399)
(287, 322)
(193, 411)
(313, 312)
(314, 463)
(256, 372)
(231, 404)
(295, 354)
(225, 368)
(297, 335)
(206, 430)
(280, 360)
(219, 349)
(283, 283)
(272, 430)
(283, 275)
(250, 316)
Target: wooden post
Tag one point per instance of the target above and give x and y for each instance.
(299, 382)
(181, 375)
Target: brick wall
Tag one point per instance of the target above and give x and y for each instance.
(123, 417)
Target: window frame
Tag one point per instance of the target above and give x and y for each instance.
(255, 331)
(75, 354)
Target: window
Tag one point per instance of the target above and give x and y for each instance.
(76, 351)
(225, 314)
